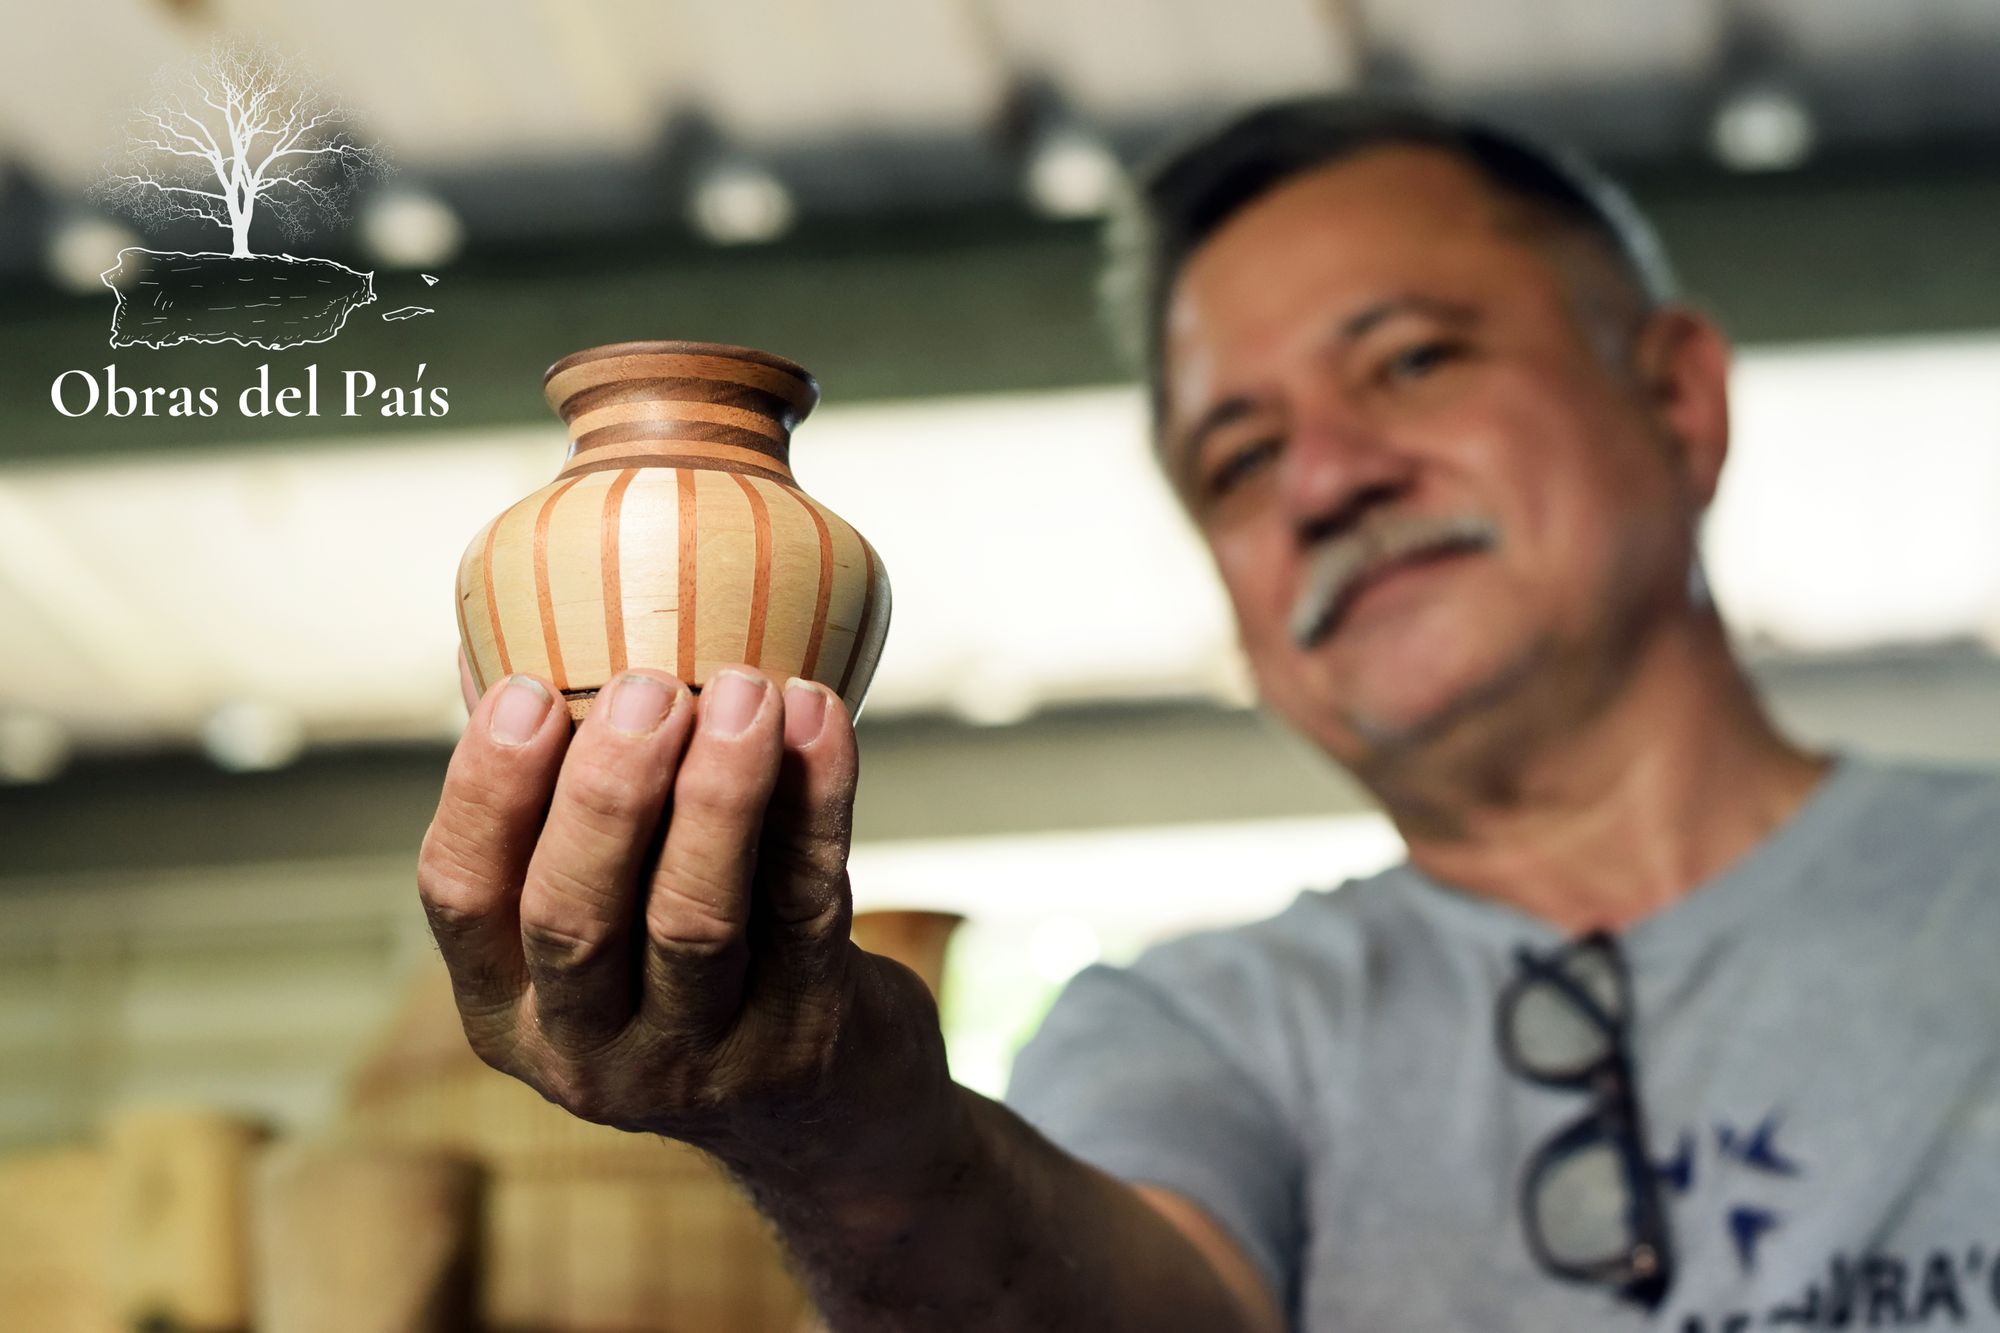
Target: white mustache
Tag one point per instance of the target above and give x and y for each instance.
(1336, 568)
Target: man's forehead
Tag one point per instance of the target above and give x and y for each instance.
(1391, 222)
(1377, 209)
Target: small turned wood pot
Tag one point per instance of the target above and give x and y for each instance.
(675, 536)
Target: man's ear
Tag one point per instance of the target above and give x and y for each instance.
(1682, 361)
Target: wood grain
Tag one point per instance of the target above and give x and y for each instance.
(609, 571)
(353, 1238)
(178, 1189)
(55, 1216)
(674, 536)
(582, 1227)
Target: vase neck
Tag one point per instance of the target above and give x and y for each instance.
(664, 451)
(686, 405)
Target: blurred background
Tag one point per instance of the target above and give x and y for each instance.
(226, 644)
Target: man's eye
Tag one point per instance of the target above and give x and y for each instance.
(1418, 361)
(1239, 464)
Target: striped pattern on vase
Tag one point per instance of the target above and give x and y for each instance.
(674, 537)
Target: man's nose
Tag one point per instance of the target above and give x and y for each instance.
(1336, 468)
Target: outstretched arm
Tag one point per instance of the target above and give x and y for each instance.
(649, 921)
(995, 1228)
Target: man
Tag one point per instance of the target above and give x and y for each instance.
(1425, 392)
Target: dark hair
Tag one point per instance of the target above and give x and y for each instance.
(1192, 192)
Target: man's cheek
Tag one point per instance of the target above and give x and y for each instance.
(1253, 590)
(1275, 665)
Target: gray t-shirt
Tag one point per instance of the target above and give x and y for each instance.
(1817, 1047)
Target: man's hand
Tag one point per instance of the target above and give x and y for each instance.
(648, 922)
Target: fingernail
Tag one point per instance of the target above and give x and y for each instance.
(805, 712)
(638, 704)
(733, 700)
(518, 714)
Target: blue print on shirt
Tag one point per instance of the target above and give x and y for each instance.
(1756, 1150)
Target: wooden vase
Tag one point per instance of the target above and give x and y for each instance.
(358, 1238)
(178, 1189)
(675, 536)
(916, 939)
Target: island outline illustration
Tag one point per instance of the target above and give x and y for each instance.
(272, 301)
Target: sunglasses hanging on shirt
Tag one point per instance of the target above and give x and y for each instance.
(1589, 1199)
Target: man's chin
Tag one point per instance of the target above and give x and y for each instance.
(1397, 731)
(1404, 718)
(1358, 734)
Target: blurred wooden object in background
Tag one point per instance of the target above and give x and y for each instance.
(54, 1260)
(353, 1239)
(589, 1227)
(448, 1196)
(586, 1228)
(915, 939)
(178, 1191)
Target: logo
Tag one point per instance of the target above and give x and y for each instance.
(243, 135)
(239, 145)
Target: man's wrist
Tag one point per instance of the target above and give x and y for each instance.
(878, 1200)
(896, 1132)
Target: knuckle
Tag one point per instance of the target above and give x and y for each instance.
(599, 1091)
(680, 949)
(573, 941)
(833, 921)
(493, 1051)
(449, 918)
(691, 914)
(564, 889)
(574, 1088)
(606, 795)
(725, 789)
(453, 895)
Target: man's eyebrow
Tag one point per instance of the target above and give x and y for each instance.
(1231, 409)
(1408, 303)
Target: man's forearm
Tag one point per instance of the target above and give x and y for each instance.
(987, 1225)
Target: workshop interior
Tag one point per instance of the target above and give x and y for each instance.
(233, 1091)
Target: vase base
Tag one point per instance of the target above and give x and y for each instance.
(578, 701)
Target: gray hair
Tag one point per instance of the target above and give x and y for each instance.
(1184, 199)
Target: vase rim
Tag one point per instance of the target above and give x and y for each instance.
(682, 347)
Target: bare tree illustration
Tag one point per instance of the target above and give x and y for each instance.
(243, 131)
